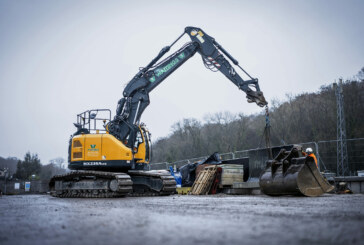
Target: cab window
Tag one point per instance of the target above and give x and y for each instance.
(139, 140)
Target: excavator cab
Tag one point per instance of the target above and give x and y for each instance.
(91, 147)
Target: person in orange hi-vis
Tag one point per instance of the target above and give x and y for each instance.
(309, 152)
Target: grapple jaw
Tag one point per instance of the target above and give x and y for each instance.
(291, 174)
(256, 97)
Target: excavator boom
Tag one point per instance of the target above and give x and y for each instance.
(109, 164)
(136, 93)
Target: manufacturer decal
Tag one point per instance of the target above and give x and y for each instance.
(94, 164)
(232, 71)
(158, 72)
(193, 33)
(93, 148)
(181, 55)
(152, 79)
(200, 38)
(167, 67)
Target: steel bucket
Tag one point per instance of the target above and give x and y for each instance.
(289, 173)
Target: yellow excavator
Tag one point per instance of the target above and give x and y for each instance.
(108, 156)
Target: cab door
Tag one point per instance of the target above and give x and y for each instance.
(147, 146)
(139, 147)
(142, 146)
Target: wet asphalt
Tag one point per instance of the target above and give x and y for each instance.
(219, 219)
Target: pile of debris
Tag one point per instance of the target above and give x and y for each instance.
(213, 176)
(289, 173)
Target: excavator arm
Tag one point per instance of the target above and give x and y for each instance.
(107, 164)
(136, 94)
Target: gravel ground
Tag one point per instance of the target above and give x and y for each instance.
(220, 219)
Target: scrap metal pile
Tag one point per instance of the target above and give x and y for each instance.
(289, 173)
(213, 176)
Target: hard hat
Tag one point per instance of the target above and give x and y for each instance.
(309, 150)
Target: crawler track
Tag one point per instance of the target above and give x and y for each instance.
(90, 184)
(96, 184)
(152, 183)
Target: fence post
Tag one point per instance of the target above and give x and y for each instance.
(6, 176)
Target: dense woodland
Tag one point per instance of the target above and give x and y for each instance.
(301, 118)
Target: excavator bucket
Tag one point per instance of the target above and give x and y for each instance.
(291, 174)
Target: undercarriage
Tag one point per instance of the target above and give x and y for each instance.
(98, 184)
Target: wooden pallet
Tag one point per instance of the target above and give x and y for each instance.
(204, 180)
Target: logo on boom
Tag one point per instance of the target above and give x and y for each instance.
(158, 72)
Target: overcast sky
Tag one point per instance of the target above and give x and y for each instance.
(59, 58)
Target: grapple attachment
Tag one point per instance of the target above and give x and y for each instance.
(256, 97)
(289, 173)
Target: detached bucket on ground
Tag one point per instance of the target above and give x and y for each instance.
(289, 173)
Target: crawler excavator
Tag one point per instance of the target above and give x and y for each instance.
(110, 161)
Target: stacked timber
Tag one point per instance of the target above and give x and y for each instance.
(232, 181)
(231, 173)
(245, 188)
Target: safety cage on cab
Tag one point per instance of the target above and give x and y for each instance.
(94, 120)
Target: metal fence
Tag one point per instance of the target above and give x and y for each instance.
(325, 151)
(328, 154)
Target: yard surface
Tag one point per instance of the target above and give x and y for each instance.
(219, 219)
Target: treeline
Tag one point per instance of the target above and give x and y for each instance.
(31, 168)
(302, 118)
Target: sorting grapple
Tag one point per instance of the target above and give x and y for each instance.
(290, 173)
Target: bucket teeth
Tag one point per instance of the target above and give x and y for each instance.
(291, 174)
